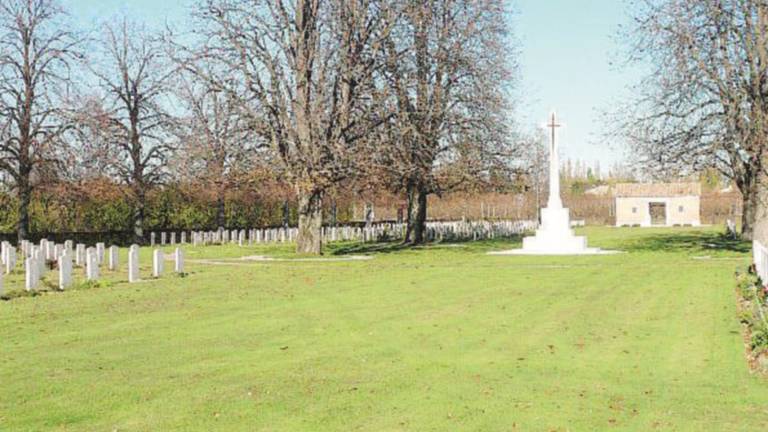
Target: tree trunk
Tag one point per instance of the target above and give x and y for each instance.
(286, 214)
(334, 213)
(25, 197)
(220, 210)
(750, 201)
(138, 218)
(309, 239)
(417, 214)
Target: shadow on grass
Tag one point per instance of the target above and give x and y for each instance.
(687, 242)
(398, 246)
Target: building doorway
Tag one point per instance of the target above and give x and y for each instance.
(658, 211)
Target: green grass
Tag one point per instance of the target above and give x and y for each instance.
(440, 338)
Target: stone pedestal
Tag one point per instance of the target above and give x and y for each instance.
(555, 235)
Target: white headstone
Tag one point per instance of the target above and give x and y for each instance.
(10, 259)
(100, 252)
(39, 255)
(65, 270)
(80, 255)
(113, 258)
(157, 263)
(178, 256)
(133, 263)
(152, 239)
(91, 264)
(31, 267)
(162, 238)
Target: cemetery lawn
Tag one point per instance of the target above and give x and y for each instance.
(441, 338)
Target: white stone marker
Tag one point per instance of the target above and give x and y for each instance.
(162, 238)
(65, 270)
(157, 263)
(10, 259)
(183, 237)
(80, 255)
(91, 264)
(113, 258)
(152, 239)
(173, 237)
(100, 252)
(133, 263)
(50, 251)
(30, 281)
(178, 256)
(40, 259)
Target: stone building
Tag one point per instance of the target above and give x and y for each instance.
(657, 204)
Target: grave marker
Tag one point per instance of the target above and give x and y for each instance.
(179, 260)
(112, 262)
(157, 263)
(133, 263)
(65, 270)
(91, 264)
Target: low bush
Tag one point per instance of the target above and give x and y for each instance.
(754, 312)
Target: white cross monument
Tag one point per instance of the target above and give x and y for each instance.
(554, 236)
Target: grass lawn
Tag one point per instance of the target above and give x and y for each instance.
(442, 338)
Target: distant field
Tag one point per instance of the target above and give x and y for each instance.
(441, 338)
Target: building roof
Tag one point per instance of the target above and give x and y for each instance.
(657, 189)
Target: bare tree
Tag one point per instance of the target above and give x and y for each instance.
(449, 64)
(134, 74)
(218, 145)
(306, 68)
(705, 102)
(36, 54)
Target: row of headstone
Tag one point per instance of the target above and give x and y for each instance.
(158, 259)
(8, 257)
(165, 237)
(436, 231)
(38, 258)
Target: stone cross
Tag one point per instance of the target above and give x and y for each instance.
(554, 166)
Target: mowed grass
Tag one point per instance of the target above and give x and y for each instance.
(435, 339)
